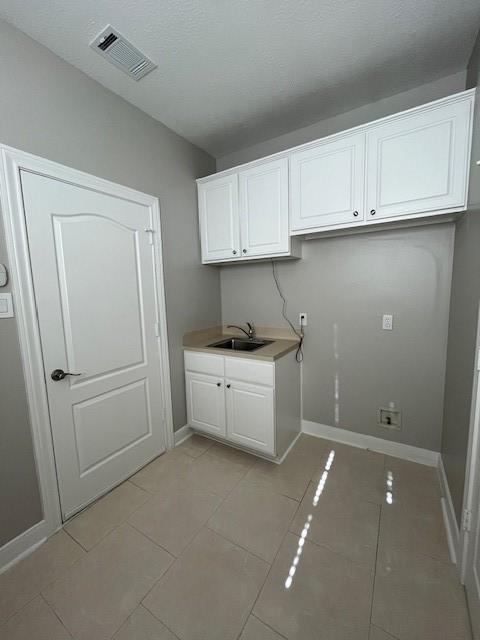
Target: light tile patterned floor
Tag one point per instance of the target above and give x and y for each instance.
(209, 543)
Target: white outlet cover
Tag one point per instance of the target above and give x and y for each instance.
(387, 322)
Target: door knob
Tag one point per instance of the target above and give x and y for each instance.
(373, 212)
(60, 374)
(355, 213)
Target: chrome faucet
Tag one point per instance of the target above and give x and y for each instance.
(251, 334)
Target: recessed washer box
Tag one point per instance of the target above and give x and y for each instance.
(389, 418)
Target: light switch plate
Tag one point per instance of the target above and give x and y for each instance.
(3, 275)
(6, 305)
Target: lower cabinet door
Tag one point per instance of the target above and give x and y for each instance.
(250, 416)
(206, 403)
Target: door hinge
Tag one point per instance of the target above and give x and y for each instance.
(466, 520)
(157, 329)
(150, 234)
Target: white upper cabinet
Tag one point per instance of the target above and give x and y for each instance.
(405, 166)
(244, 215)
(418, 162)
(327, 183)
(218, 211)
(264, 209)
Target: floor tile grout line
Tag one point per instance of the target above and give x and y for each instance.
(157, 618)
(264, 582)
(375, 565)
(79, 543)
(4, 622)
(148, 611)
(236, 544)
(378, 544)
(267, 625)
(385, 632)
(56, 616)
(157, 544)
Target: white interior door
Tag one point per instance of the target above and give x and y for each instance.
(264, 209)
(471, 533)
(93, 266)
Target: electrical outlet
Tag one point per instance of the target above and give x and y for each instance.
(302, 319)
(387, 322)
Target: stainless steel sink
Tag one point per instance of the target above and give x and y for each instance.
(240, 344)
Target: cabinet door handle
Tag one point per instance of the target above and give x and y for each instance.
(234, 252)
(372, 212)
(228, 386)
(219, 384)
(244, 251)
(355, 213)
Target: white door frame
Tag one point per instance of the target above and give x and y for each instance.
(472, 465)
(11, 162)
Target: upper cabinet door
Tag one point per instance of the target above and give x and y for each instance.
(219, 225)
(419, 162)
(327, 183)
(264, 209)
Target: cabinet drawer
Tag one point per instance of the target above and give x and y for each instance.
(250, 371)
(204, 363)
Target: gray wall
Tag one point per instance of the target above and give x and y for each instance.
(51, 109)
(346, 284)
(405, 100)
(463, 317)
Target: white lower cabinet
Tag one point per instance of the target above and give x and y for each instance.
(250, 415)
(206, 403)
(251, 403)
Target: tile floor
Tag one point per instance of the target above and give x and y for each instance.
(209, 543)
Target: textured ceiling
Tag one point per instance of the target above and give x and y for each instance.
(235, 72)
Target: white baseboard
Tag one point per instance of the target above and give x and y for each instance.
(182, 434)
(23, 545)
(395, 449)
(292, 444)
(450, 520)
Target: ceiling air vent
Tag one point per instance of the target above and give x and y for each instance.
(114, 47)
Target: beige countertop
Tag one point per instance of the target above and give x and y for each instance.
(282, 343)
